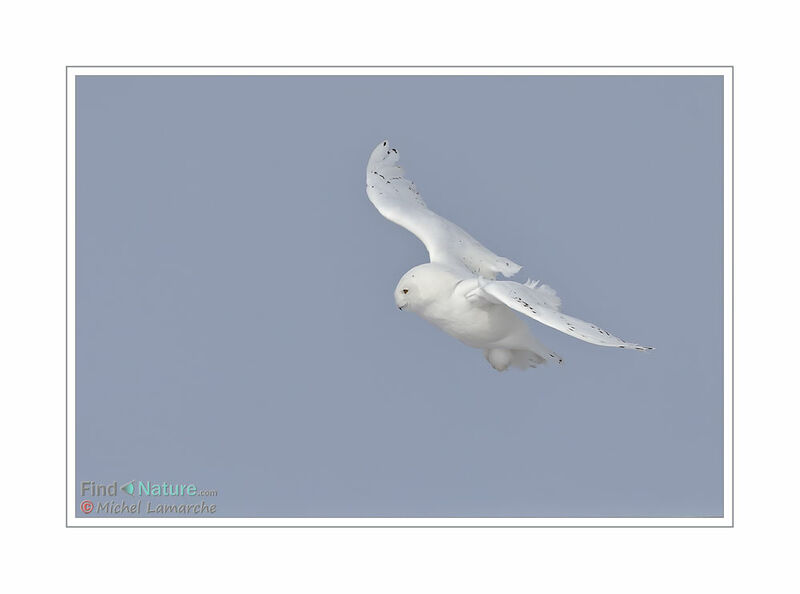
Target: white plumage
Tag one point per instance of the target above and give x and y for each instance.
(457, 290)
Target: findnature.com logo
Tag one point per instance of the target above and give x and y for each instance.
(138, 489)
(144, 489)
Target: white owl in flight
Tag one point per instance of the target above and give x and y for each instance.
(457, 292)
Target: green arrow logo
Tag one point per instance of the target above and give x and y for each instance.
(128, 488)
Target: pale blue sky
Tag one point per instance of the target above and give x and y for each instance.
(235, 320)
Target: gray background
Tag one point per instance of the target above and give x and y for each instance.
(235, 321)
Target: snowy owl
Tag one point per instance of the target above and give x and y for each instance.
(457, 290)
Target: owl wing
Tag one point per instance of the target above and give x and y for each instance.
(396, 198)
(541, 303)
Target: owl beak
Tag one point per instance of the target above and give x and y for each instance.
(400, 307)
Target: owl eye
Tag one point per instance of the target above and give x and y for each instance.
(405, 290)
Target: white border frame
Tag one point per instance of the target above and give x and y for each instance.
(725, 71)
